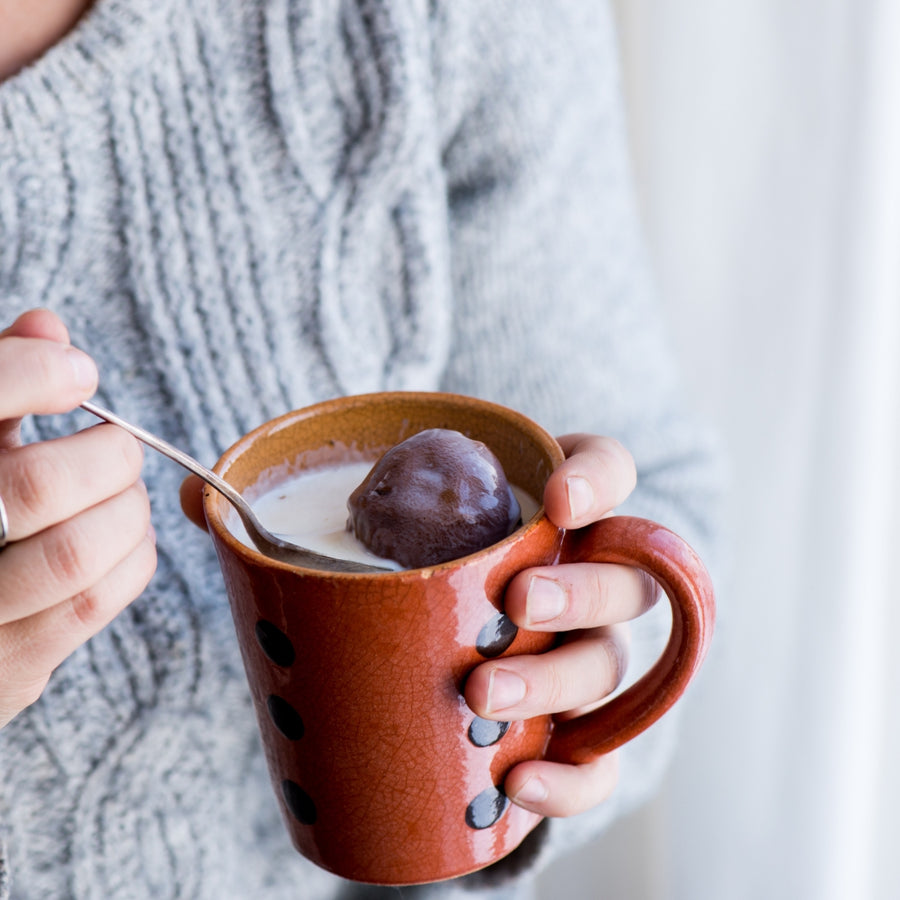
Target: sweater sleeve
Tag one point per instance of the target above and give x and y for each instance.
(555, 308)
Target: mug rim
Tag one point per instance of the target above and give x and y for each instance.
(214, 502)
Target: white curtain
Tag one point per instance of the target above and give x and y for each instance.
(766, 138)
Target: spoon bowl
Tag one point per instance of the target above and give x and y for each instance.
(275, 546)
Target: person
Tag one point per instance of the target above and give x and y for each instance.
(213, 212)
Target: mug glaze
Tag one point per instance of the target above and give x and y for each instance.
(383, 773)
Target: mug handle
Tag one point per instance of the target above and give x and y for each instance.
(678, 570)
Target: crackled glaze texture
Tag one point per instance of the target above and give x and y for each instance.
(383, 773)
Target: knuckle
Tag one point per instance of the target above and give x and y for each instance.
(614, 650)
(618, 452)
(127, 450)
(152, 561)
(87, 608)
(599, 592)
(616, 463)
(93, 607)
(114, 457)
(147, 562)
(602, 776)
(650, 591)
(66, 554)
(36, 479)
(129, 513)
(614, 594)
(558, 689)
(138, 511)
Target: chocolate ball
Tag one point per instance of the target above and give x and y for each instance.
(434, 497)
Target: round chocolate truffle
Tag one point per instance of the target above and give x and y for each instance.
(434, 497)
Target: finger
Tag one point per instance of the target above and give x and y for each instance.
(192, 500)
(41, 324)
(70, 557)
(46, 483)
(569, 597)
(38, 323)
(31, 648)
(597, 475)
(556, 789)
(42, 377)
(586, 668)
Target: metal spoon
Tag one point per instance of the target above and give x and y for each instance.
(273, 545)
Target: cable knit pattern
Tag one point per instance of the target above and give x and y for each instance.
(244, 207)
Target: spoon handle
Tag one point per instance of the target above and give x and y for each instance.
(173, 453)
(272, 545)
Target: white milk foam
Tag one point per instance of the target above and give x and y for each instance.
(311, 510)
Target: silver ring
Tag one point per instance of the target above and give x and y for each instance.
(4, 525)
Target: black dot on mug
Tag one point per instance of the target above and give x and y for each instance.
(287, 720)
(496, 636)
(484, 732)
(298, 802)
(486, 808)
(275, 643)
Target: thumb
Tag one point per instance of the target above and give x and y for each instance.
(38, 323)
(42, 325)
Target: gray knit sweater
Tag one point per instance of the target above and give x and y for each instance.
(243, 207)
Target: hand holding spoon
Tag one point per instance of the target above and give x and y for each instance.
(275, 546)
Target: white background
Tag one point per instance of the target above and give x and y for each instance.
(766, 139)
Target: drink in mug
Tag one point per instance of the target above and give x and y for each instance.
(310, 508)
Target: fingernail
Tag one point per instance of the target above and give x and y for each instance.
(83, 368)
(532, 792)
(545, 601)
(580, 495)
(505, 690)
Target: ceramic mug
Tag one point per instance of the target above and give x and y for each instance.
(382, 771)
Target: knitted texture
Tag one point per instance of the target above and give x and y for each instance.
(240, 208)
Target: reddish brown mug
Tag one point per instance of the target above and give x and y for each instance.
(382, 771)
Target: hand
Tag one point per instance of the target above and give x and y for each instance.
(591, 604)
(81, 542)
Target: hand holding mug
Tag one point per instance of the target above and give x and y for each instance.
(589, 605)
